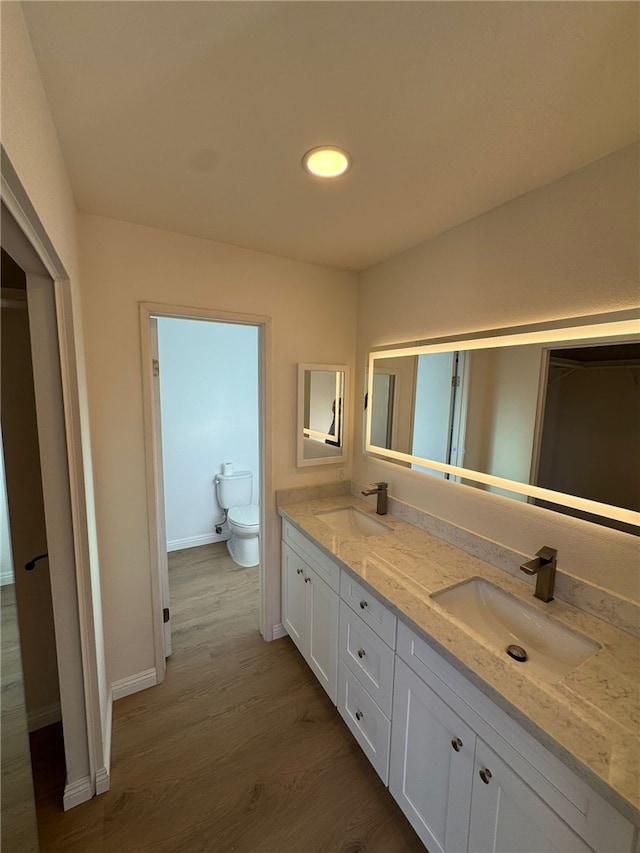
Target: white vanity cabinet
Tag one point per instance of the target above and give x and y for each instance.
(310, 605)
(508, 817)
(431, 767)
(469, 778)
(466, 775)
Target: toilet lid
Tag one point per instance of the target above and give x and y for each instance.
(245, 516)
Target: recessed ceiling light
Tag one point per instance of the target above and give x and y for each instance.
(326, 161)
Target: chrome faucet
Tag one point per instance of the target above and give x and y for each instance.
(381, 491)
(543, 566)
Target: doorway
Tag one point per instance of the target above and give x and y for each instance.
(204, 409)
(63, 453)
(30, 687)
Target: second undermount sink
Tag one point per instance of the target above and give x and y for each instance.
(352, 523)
(552, 649)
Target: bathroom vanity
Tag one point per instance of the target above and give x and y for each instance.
(481, 752)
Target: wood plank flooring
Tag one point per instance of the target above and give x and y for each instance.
(18, 832)
(238, 750)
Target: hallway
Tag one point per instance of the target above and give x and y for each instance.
(238, 750)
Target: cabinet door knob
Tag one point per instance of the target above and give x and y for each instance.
(485, 775)
(299, 571)
(307, 580)
(456, 743)
(361, 653)
(359, 715)
(363, 604)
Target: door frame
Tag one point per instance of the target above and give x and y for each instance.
(85, 697)
(153, 456)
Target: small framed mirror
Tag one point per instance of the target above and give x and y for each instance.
(322, 396)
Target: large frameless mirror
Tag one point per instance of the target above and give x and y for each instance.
(547, 414)
(322, 396)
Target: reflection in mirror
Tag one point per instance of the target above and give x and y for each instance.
(321, 413)
(590, 431)
(559, 416)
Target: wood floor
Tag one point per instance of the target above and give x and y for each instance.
(238, 750)
(18, 815)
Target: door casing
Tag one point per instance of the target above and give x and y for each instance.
(75, 581)
(153, 459)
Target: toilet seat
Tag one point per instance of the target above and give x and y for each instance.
(244, 517)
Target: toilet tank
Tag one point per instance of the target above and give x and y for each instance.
(234, 489)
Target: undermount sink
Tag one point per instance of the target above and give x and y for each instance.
(552, 649)
(352, 523)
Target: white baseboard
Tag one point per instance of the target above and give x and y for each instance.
(134, 683)
(77, 792)
(103, 781)
(195, 541)
(6, 578)
(278, 631)
(38, 718)
(103, 775)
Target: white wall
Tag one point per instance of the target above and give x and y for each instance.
(209, 410)
(566, 249)
(313, 317)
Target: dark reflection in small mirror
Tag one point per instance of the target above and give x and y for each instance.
(321, 410)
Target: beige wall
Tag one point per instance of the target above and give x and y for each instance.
(313, 317)
(566, 249)
(29, 138)
(31, 145)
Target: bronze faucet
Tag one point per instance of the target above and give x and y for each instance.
(381, 491)
(543, 566)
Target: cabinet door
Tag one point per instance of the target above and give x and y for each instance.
(322, 632)
(509, 817)
(294, 571)
(431, 765)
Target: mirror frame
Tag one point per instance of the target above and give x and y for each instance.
(614, 327)
(333, 459)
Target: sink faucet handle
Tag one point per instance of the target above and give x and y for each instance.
(547, 555)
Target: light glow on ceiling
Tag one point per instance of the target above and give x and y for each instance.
(326, 161)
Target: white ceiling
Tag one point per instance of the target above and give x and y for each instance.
(194, 116)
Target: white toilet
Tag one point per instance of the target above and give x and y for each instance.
(234, 494)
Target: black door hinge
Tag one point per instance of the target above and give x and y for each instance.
(165, 614)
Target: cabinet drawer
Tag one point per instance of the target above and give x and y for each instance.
(369, 608)
(328, 570)
(368, 724)
(367, 656)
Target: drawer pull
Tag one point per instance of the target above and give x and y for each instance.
(456, 743)
(299, 571)
(364, 604)
(361, 653)
(485, 775)
(359, 715)
(307, 580)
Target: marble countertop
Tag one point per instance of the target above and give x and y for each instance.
(589, 719)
